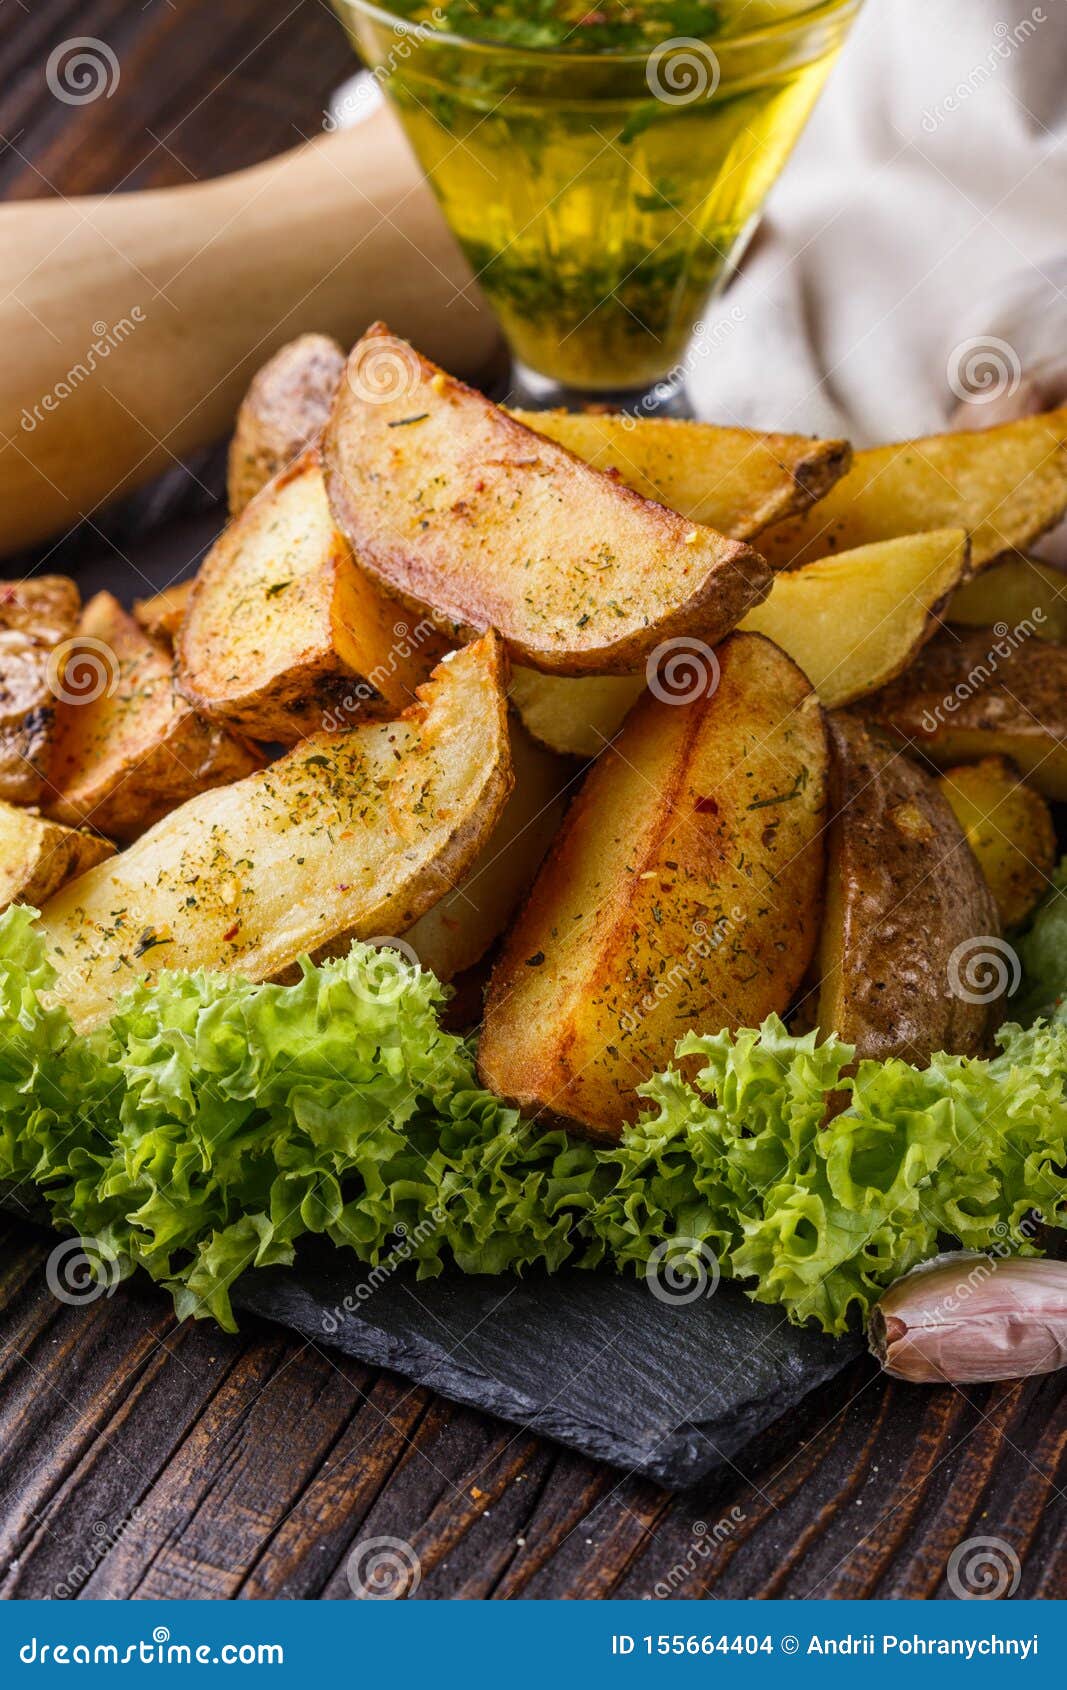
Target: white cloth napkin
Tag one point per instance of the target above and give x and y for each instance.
(915, 248)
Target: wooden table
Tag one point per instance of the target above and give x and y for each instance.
(140, 1458)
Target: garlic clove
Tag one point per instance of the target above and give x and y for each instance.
(966, 1318)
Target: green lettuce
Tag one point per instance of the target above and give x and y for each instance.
(213, 1124)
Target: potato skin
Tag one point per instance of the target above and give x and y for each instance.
(456, 507)
(977, 693)
(161, 616)
(683, 891)
(1009, 829)
(907, 910)
(283, 412)
(36, 617)
(132, 749)
(37, 856)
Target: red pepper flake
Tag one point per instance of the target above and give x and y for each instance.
(707, 806)
(231, 932)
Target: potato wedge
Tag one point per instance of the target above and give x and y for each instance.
(454, 506)
(283, 412)
(732, 479)
(1004, 485)
(161, 615)
(458, 931)
(855, 620)
(977, 693)
(349, 835)
(37, 856)
(910, 926)
(283, 636)
(128, 747)
(36, 617)
(852, 622)
(683, 891)
(1009, 828)
(1017, 590)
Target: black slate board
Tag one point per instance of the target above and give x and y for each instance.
(590, 1359)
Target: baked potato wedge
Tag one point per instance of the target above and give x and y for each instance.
(456, 507)
(683, 891)
(1004, 485)
(349, 835)
(283, 635)
(460, 928)
(37, 856)
(732, 479)
(910, 926)
(36, 618)
(1017, 590)
(283, 413)
(852, 622)
(1009, 828)
(161, 615)
(128, 747)
(983, 693)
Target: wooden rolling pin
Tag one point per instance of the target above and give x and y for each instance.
(131, 324)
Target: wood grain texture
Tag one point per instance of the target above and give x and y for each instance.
(138, 1458)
